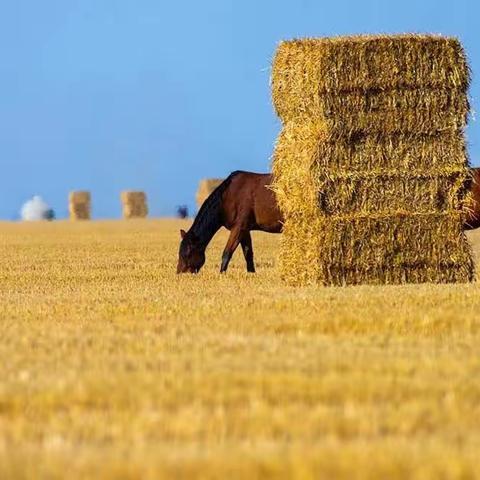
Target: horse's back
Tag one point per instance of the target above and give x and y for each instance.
(250, 201)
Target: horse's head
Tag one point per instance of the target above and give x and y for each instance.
(191, 255)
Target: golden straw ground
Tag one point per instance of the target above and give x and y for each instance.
(115, 367)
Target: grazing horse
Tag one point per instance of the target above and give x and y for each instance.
(244, 202)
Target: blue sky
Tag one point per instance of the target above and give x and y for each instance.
(106, 95)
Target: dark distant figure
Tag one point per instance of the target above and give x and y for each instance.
(50, 214)
(182, 211)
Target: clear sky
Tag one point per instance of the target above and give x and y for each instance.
(106, 95)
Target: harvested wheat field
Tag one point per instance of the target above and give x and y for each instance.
(115, 367)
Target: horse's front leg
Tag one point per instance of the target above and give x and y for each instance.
(246, 242)
(230, 247)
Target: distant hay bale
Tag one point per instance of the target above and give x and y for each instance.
(134, 204)
(79, 205)
(205, 188)
(370, 167)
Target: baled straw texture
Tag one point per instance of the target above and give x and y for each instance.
(370, 168)
(374, 250)
(383, 85)
(396, 173)
(306, 71)
(134, 204)
(205, 188)
(79, 205)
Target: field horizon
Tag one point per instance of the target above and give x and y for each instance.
(116, 367)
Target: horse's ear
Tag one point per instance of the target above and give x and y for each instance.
(182, 233)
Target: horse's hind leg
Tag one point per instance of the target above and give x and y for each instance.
(246, 242)
(230, 247)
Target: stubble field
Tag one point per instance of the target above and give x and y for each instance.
(114, 367)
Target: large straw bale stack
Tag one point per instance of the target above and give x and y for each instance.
(205, 188)
(79, 205)
(134, 204)
(370, 167)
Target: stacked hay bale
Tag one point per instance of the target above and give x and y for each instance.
(79, 205)
(134, 204)
(370, 167)
(205, 188)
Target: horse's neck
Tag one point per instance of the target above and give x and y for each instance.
(210, 217)
(205, 227)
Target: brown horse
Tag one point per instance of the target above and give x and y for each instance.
(243, 202)
(473, 216)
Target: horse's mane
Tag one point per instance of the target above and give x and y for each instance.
(208, 219)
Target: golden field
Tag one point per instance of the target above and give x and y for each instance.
(114, 367)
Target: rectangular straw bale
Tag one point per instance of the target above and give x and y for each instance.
(370, 168)
(374, 84)
(374, 250)
(422, 112)
(305, 70)
(308, 142)
(134, 204)
(393, 112)
(419, 174)
(205, 187)
(369, 173)
(400, 239)
(79, 205)
(389, 191)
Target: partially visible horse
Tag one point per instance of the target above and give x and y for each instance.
(243, 202)
(473, 215)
